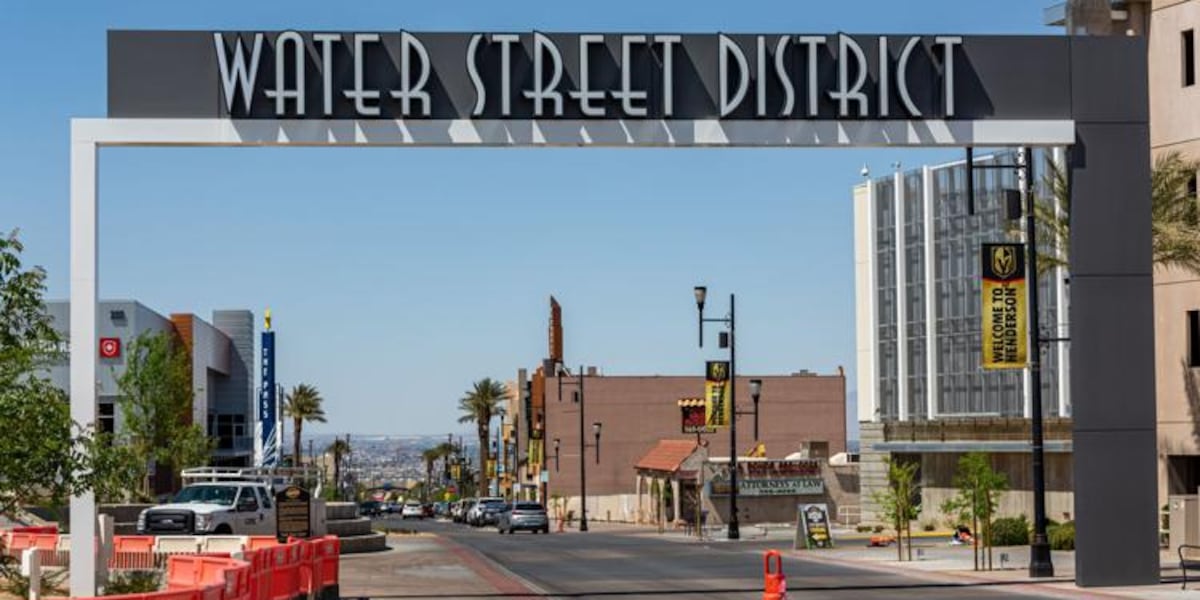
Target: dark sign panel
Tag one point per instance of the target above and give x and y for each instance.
(535, 75)
(812, 527)
(293, 513)
(268, 422)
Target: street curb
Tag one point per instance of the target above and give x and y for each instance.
(491, 571)
(1039, 586)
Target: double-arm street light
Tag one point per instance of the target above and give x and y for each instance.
(726, 340)
(578, 397)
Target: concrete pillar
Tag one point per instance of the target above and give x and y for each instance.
(1112, 316)
(675, 497)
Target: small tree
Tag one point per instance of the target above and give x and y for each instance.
(42, 452)
(898, 502)
(979, 489)
(156, 403)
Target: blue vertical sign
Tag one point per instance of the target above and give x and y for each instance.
(268, 422)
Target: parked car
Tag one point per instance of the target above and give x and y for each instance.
(459, 512)
(370, 508)
(412, 510)
(441, 509)
(486, 511)
(523, 515)
(231, 508)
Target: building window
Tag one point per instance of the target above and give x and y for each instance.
(1194, 338)
(1188, 51)
(106, 421)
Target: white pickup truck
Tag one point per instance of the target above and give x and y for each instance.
(218, 508)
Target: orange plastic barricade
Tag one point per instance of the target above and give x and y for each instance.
(18, 542)
(284, 573)
(212, 592)
(36, 529)
(265, 568)
(183, 572)
(331, 550)
(308, 582)
(132, 552)
(258, 542)
(774, 582)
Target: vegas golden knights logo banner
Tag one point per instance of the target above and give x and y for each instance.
(717, 408)
(1005, 330)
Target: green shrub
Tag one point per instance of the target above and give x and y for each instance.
(863, 528)
(928, 526)
(1062, 537)
(1010, 531)
(133, 582)
(878, 529)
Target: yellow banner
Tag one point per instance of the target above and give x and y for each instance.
(717, 408)
(1005, 330)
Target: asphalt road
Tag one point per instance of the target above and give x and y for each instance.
(629, 564)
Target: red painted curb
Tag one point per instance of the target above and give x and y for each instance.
(503, 582)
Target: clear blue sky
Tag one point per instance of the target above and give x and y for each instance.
(398, 276)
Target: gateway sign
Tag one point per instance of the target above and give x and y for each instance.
(408, 75)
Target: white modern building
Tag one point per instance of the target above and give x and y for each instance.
(221, 354)
(922, 393)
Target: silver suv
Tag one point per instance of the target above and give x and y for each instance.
(521, 515)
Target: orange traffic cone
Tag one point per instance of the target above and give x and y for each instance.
(774, 583)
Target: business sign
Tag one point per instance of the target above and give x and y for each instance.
(293, 513)
(556, 331)
(812, 527)
(1005, 331)
(771, 478)
(267, 427)
(797, 486)
(403, 74)
(693, 416)
(718, 408)
(110, 347)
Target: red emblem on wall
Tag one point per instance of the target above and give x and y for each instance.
(110, 347)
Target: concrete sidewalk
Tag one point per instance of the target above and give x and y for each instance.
(935, 560)
(428, 566)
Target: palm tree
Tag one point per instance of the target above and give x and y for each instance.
(302, 404)
(1174, 211)
(338, 448)
(430, 455)
(478, 405)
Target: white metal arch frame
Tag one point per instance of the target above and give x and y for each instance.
(89, 135)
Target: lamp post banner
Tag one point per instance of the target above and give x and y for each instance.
(534, 75)
(718, 410)
(1005, 330)
(268, 421)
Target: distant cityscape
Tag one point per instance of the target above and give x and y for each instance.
(378, 460)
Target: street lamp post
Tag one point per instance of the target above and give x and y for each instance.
(501, 464)
(701, 293)
(596, 431)
(578, 398)
(755, 391)
(1040, 564)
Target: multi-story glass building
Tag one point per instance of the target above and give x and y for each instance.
(922, 392)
